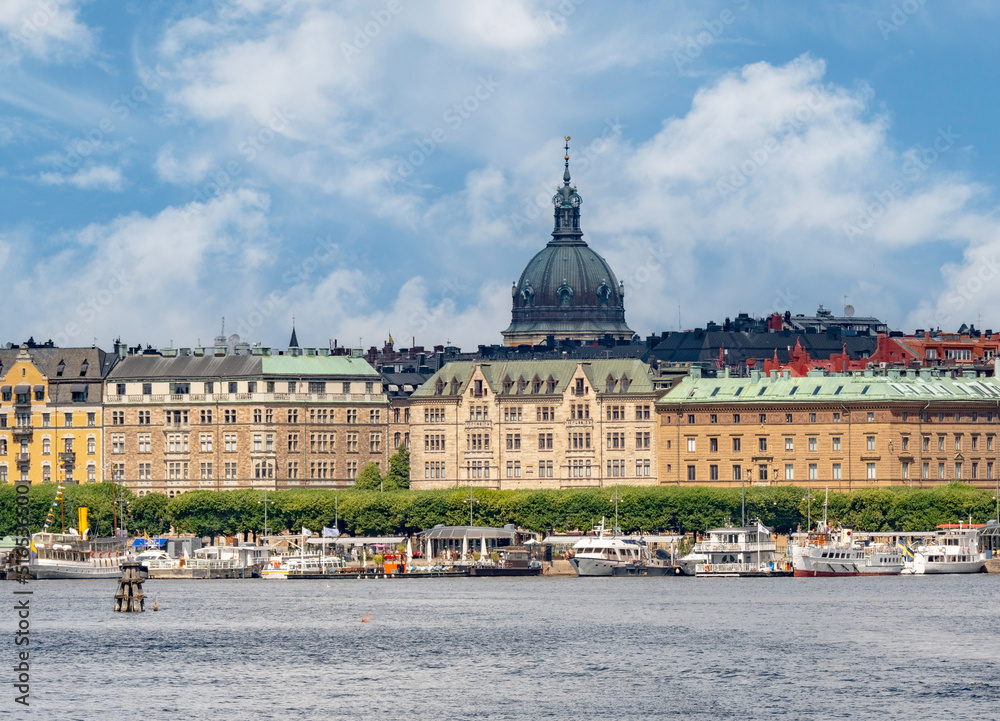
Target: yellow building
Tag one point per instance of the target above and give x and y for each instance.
(50, 413)
(836, 431)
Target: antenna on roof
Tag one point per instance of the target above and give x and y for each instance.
(223, 331)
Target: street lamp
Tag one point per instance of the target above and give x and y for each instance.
(265, 502)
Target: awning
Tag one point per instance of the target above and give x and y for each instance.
(22, 388)
(4, 389)
(39, 388)
(78, 388)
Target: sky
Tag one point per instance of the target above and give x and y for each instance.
(381, 167)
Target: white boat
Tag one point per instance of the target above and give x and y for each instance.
(954, 549)
(745, 551)
(599, 555)
(67, 555)
(835, 553)
(298, 565)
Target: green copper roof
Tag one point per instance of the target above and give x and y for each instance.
(337, 366)
(597, 372)
(818, 388)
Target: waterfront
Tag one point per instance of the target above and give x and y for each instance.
(904, 647)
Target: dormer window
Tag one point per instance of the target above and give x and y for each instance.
(455, 385)
(522, 385)
(84, 367)
(508, 384)
(478, 388)
(439, 387)
(550, 385)
(579, 386)
(625, 383)
(60, 368)
(609, 385)
(536, 385)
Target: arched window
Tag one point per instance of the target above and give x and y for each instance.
(536, 385)
(609, 384)
(625, 383)
(550, 385)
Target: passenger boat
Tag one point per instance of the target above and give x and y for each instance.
(299, 565)
(954, 549)
(68, 555)
(732, 552)
(828, 553)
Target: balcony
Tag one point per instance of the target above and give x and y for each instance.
(23, 459)
(478, 424)
(580, 423)
(22, 399)
(23, 431)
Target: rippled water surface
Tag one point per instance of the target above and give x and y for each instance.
(566, 648)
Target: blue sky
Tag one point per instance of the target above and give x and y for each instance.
(386, 166)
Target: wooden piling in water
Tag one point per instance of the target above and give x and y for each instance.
(130, 598)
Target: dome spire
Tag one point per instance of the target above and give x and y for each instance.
(566, 158)
(567, 206)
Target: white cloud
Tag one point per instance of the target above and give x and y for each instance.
(47, 30)
(93, 177)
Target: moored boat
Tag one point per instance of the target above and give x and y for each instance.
(69, 556)
(954, 549)
(732, 552)
(827, 553)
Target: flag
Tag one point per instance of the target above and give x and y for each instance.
(306, 532)
(391, 341)
(330, 532)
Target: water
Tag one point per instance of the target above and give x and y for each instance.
(567, 648)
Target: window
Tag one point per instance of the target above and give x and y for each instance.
(712, 418)
(374, 415)
(871, 416)
(989, 469)
(713, 443)
(713, 472)
(258, 415)
(958, 469)
(789, 472)
(513, 469)
(926, 470)
(690, 418)
(836, 471)
(206, 469)
(293, 442)
(812, 444)
(836, 417)
(763, 417)
(940, 470)
(145, 443)
(788, 418)
(513, 441)
(117, 444)
(545, 441)
(940, 443)
(206, 417)
(690, 444)
(737, 444)
(46, 447)
(975, 443)
(905, 470)
(229, 416)
(46, 420)
(293, 469)
(691, 473)
(352, 443)
(737, 473)
(642, 467)
(989, 443)
(206, 442)
(642, 413)
(512, 413)
(870, 443)
(68, 420)
(813, 471)
(144, 417)
(352, 415)
(230, 469)
(927, 443)
(230, 442)
(762, 445)
(958, 443)
(118, 418)
(789, 444)
(906, 443)
(836, 443)
(736, 417)
(375, 443)
(616, 440)
(812, 417)
(871, 471)
(317, 386)
(762, 472)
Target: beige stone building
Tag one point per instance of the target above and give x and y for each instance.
(841, 431)
(208, 419)
(534, 424)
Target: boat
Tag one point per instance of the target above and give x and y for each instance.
(734, 552)
(953, 549)
(826, 552)
(599, 555)
(69, 555)
(282, 567)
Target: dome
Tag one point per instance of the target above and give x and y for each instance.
(567, 290)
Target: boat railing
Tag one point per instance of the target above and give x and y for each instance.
(708, 546)
(210, 563)
(712, 568)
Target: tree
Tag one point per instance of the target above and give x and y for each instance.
(369, 479)
(398, 476)
(149, 514)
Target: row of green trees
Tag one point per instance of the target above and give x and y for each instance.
(370, 512)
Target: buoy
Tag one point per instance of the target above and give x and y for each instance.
(364, 619)
(156, 603)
